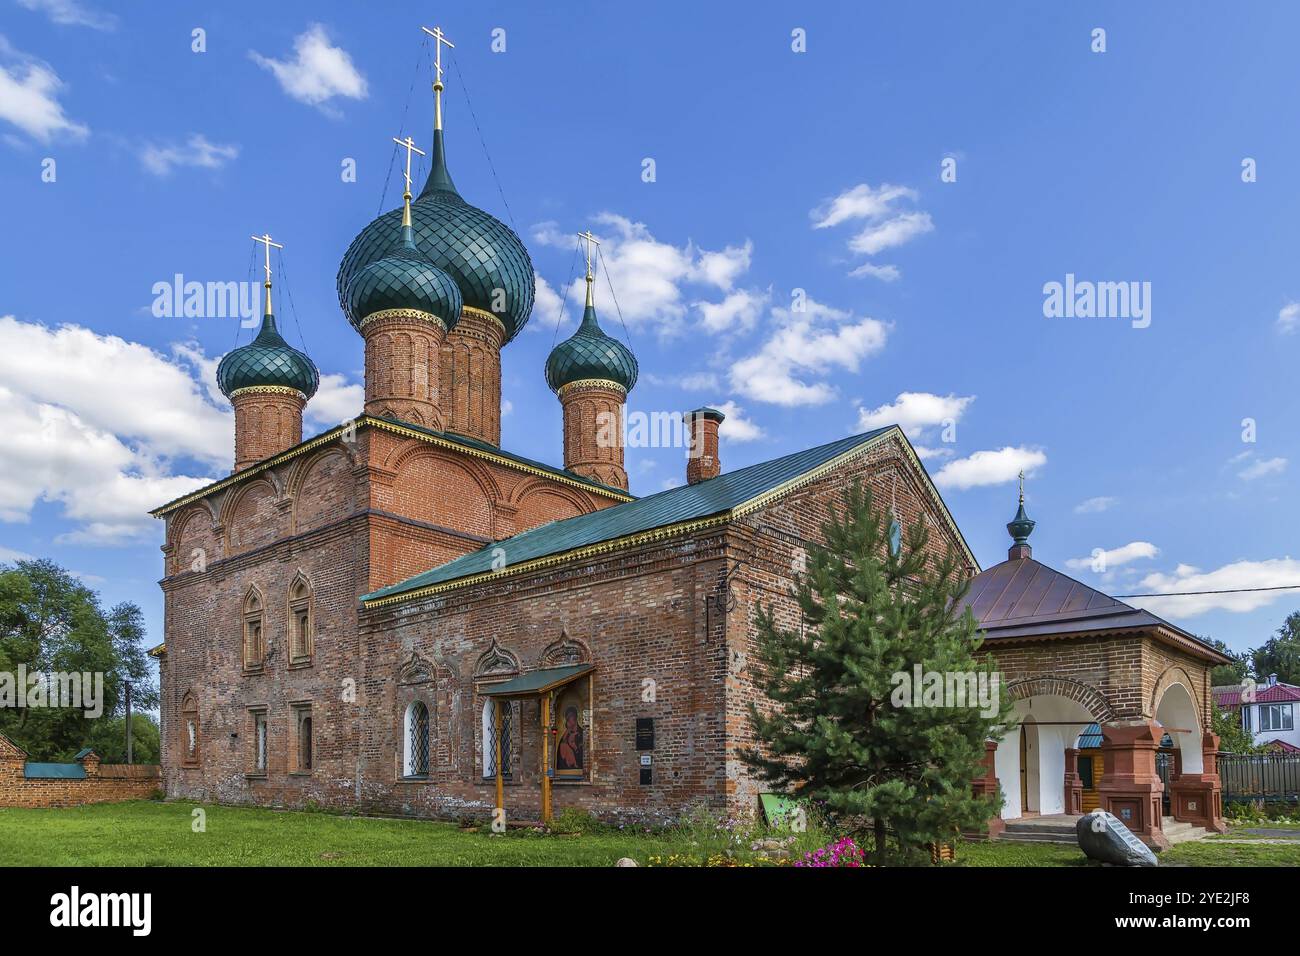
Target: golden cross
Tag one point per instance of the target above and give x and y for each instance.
(265, 240)
(408, 144)
(591, 241)
(439, 40)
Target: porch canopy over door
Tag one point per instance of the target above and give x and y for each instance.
(541, 684)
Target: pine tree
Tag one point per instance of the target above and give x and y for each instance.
(873, 610)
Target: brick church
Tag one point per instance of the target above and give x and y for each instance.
(399, 615)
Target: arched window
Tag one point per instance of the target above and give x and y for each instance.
(490, 738)
(254, 632)
(416, 756)
(300, 621)
(191, 739)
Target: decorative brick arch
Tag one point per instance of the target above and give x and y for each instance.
(471, 467)
(565, 651)
(1176, 674)
(1085, 695)
(496, 661)
(182, 521)
(524, 489)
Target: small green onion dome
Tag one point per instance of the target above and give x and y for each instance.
(403, 279)
(590, 354)
(479, 252)
(268, 360)
(1021, 526)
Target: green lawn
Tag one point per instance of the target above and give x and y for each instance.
(148, 833)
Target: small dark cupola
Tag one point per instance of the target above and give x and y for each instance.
(268, 382)
(591, 374)
(1020, 528)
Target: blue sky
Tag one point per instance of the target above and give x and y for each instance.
(774, 171)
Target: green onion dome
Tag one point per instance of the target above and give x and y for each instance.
(403, 279)
(590, 354)
(267, 361)
(479, 252)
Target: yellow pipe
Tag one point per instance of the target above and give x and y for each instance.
(496, 728)
(546, 758)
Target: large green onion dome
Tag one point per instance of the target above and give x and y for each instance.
(403, 279)
(267, 361)
(478, 251)
(591, 355)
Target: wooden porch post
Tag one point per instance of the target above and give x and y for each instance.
(496, 734)
(546, 758)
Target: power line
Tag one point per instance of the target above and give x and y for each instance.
(1280, 587)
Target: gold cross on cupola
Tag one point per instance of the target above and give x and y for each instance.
(589, 240)
(407, 144)
(439, 41)
(265, 240)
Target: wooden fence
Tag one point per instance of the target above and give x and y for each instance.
(1266, 777)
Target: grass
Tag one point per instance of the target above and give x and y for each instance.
(147, 833)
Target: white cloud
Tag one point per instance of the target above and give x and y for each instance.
(93, 424)
(1235, 576)
(198, 152)
(336, 401)
(1115, 557)
(546, 307)
(990, 467)
(1094, 506)
(507, 407)
(29, 98)
(1288, 318)
(319, 71)
(736, 313)
(914, 412)
(883, 273)
(886, 226)
(650, 277)
(805, 346)
(894, 232)
(1259, 469)
(9, 555)
(736, 427)
(71, 13)
(926, 454)
(860, 202)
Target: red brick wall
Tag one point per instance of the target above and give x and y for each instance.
(349, 519)
(266, 423)
(767, 542)
(103, 783)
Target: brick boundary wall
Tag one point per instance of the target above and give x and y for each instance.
(103, 783)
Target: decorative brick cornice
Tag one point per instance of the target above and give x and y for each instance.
(410, 315)
(469, 310)
(592, 384)
(267, 390)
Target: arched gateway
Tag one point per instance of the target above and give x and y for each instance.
(1071, 657)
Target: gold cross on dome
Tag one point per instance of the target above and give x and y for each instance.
(408, 144)
(439, 40)
(265, 240)
(590, 241)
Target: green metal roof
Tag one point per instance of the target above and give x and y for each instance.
(537, 682)
(54, 771)
(590, 354)
(676, 505)
(403, 279)
(481, 253)
(267, 360)
(84, 752)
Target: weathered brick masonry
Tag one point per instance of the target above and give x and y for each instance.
(102, 783)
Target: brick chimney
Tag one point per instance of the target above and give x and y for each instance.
(702, 459)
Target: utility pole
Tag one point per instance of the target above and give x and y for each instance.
(128, 722)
